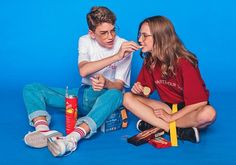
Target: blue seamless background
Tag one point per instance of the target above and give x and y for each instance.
(38, 43)
(39, 38)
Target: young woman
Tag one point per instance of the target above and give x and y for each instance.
(173, 71)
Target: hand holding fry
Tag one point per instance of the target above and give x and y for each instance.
(127, 48)
(137, 88)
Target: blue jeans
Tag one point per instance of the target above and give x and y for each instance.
(94, 106)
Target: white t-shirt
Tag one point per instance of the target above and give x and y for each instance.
(90, 50)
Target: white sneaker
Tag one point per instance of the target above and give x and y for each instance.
(60, 146)
(38, 139)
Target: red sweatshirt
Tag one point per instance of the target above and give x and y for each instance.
(186, 86)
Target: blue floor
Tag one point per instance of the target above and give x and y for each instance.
(217, 144)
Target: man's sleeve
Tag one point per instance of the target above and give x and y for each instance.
(83, 50)
(145, 78)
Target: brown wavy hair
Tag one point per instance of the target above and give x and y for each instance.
(167, 47)
(99, 15)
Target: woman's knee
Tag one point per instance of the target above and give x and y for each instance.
(127, 98)
(207, 115)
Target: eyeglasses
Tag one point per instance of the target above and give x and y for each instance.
(143, 36)
(105, 34)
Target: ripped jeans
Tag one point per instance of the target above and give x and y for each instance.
(94, 106)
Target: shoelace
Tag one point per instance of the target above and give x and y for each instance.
(71, 145)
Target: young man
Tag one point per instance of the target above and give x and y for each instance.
(104, 64)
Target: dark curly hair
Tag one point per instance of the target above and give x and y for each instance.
(99, 15)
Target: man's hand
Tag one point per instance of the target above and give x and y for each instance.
(98, 82)
(126, 48)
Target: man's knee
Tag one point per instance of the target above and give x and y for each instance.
(32, 86)
(115, 93)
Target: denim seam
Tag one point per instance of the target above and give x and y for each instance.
(37, 114)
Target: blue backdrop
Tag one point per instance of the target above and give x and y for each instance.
(38, 43)
(38, 39)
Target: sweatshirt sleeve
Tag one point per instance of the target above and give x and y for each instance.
(145, 78)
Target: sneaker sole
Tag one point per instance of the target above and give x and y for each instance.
(39, 140)
(137, 124)
(196, 134)
(55, 148)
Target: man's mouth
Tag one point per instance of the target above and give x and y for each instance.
(110, 42)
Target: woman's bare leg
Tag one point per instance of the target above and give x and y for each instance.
(143, 108)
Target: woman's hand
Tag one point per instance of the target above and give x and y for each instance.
(137, 88)
(161, 113)
(98, 82)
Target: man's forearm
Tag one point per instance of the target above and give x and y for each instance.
(87, 68)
